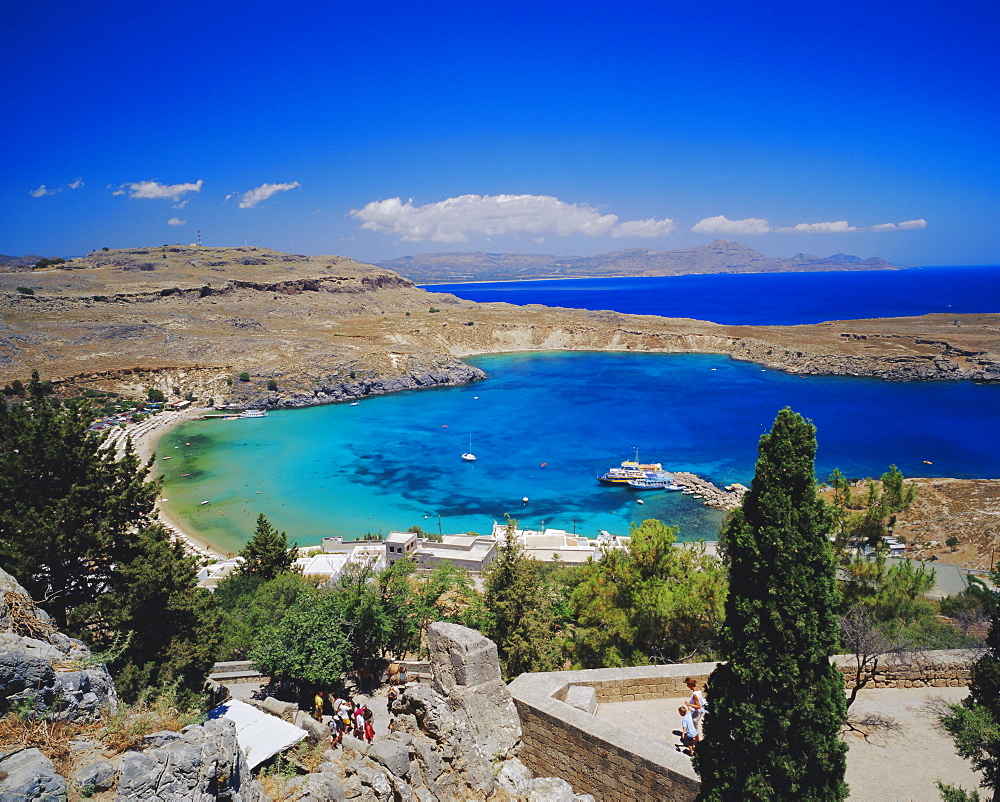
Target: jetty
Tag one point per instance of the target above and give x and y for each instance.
(712, 496)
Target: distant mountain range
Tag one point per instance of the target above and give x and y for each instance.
(721, 256)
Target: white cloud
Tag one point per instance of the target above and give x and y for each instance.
(152, 190)
(913, 224)
(76, 184)
(884, 227)
(176, 221)
(41, 192)
(723, 225)
(650, 227)
(454, 219)
(263, 192)
(838, 227)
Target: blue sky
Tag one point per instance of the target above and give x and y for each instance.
(375, 130)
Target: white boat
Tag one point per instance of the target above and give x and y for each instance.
(468, 456)
(253, 413)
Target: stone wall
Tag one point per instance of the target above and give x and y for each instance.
(560, 736)
(594, 755)
(939, 669)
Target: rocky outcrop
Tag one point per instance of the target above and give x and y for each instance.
(28, 774)
(422, 372)
(44, 673)
(200, 763)
(466, 672)
(455, 740)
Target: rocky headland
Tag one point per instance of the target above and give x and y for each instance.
(307, 330)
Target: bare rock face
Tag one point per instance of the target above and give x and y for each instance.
(28, 774)
(201, 763)
(42, 671)
(467, 672)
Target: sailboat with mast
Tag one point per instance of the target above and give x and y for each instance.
(468, 456)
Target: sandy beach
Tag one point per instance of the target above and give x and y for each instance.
(145, 436)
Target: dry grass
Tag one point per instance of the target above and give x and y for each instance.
(21, 611)
(127, 728)
(18, 730)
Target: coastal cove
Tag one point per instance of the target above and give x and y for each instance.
(393, 461)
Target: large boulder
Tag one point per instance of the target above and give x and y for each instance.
(466, 671)
(44, 672)
(28, 774)
(201, 763)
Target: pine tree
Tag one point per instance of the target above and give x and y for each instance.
(777, 704)
(176, 627)
(652, 602)
(520, 609)
(268, 553)
(69, 507)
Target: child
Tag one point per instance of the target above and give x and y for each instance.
(689, 733)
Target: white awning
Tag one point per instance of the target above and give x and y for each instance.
(259, 734)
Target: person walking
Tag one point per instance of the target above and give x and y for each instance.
(318, 706)
(696, 704)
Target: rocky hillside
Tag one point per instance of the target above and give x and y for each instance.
(61, 736)
(721, 256)
(310, 330)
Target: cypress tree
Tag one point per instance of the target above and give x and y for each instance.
(777, 704)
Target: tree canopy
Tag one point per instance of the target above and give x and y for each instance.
(310, 643)
(651, 602)
(777, 702)
(267, 553)
(69, 507)
(77, 530)
(975, 723)
(519, 609)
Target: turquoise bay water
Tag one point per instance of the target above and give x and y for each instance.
(394, 461)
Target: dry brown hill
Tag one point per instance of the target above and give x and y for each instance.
(191, 319)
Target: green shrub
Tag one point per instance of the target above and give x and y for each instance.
(244, 377)
(25, 290)
(433, 309)
(272, 385)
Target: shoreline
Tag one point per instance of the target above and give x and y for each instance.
(144, 440)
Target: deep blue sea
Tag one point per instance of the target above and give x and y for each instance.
(545, 424)
(761, 298)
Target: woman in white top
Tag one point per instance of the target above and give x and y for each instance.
(696, 703)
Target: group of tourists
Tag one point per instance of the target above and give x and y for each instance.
(348, 718)
(692, 714)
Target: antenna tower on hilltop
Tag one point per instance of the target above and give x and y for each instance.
(199, 237)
